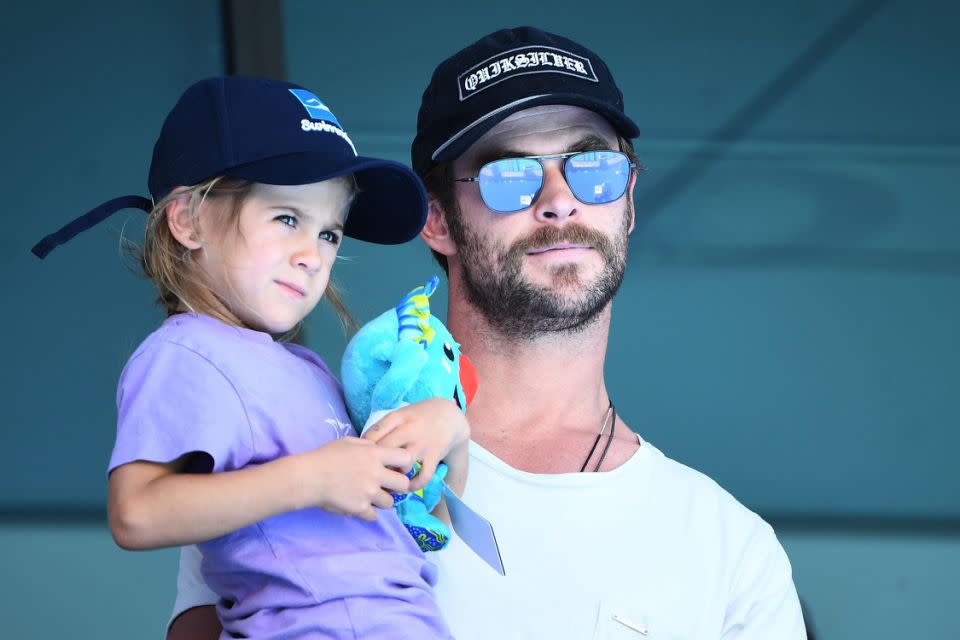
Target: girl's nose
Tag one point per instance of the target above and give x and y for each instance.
(308, 258)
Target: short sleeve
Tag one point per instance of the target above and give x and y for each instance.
(764, 601)
(172, 401)
(192, 591)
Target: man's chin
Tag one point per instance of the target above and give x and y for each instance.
(570, 282)
(558, 277)
(563, 298)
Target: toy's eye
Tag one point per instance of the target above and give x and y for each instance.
(448, 351)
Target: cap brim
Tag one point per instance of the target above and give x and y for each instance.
(390, 208)
(455, 146)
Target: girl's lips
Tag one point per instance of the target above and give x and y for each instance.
(292, 288)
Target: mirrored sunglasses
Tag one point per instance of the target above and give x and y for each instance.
(513, 184)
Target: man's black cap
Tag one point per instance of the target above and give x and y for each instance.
(502, 73)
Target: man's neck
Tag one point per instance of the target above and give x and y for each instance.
(541, 401)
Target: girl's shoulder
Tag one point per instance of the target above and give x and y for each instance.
(304, 353)
(202, 336)
(235, 352)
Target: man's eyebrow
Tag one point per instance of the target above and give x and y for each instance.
(498, 154)
(590, 142)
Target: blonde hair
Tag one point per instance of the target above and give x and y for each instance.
(171, 266)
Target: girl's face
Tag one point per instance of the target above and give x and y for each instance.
(272, 266)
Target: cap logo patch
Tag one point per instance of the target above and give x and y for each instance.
(314, 106)
(520, 61)
(319, 111)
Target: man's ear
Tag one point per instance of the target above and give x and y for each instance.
(435, 232)
(633, 212)
(181, 224)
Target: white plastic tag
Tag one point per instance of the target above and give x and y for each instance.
(474, 530)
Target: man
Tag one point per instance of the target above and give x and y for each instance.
(525, 149)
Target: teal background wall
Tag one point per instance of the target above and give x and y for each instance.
(787, 325)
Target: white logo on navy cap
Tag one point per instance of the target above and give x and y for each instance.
(319, 111)
(520, 61)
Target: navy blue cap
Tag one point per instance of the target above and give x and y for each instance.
(505, 72)
(272, 132)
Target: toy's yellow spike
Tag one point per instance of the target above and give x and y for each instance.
(429, 333)
(413, 313)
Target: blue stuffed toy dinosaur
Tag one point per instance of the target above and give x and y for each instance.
(403, 356)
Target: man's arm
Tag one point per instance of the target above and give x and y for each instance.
(198, 623)
(194, 615)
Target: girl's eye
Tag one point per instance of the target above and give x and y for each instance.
(330, 236)
(290, 221)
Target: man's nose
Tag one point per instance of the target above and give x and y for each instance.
(556, 202)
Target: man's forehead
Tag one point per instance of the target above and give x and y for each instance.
(538, 128)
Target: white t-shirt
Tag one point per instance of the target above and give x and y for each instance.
(651, 546)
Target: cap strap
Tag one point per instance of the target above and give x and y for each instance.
(87, 220)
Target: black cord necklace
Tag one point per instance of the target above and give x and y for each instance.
(611, 412)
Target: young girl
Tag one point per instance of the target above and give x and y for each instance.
(231, 439)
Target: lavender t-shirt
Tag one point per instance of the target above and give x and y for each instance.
(199, 385)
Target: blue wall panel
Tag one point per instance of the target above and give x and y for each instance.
(787, 323)
(86, 88)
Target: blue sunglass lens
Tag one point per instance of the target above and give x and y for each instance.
(597, 177)
(594, 177)
(511, 184)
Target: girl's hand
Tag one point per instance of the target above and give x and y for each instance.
(428, 430)
(353, 477)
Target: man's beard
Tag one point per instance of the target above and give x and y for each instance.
(518, 309)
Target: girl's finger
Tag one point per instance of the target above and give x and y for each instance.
(426, 473)
(395, 482)
(383, 500)
(395, 458)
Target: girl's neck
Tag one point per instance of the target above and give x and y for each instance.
(222, 314)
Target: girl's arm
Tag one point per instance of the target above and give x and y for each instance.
(152, 505)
